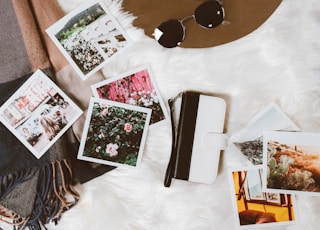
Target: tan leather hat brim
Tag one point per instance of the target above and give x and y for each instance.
(243, 17)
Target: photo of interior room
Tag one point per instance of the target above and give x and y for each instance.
(255, 206)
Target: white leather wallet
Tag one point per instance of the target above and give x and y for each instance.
(198, 139)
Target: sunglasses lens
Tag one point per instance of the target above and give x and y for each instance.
(170, 33)
(209, 14)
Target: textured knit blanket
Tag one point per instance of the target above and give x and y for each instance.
(34, 192)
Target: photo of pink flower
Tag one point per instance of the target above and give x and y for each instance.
(114, 133)
(127, 127)
(112, 149)
(105, 112)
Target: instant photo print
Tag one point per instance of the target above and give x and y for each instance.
(135, 87)
(253, 207)
(114, 133)
(291, 162)
(89, 37)
(249, 140)
(198, 139)
(39, 113)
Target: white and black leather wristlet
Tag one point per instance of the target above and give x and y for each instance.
(198, 139)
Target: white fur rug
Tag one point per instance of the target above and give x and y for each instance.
(278, 62)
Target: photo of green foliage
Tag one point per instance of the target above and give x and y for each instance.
(115, 134)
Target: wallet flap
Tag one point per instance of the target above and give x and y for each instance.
(209, 123)
(217, 141)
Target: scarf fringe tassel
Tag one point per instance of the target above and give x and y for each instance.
(55, 194)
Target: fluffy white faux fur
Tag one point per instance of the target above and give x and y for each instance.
(278, 62)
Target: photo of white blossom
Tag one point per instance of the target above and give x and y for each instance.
(89, 37)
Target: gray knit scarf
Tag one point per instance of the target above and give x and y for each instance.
(33, 191)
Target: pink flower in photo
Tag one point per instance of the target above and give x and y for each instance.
(105, 112)
(127, 127)
(112, 149)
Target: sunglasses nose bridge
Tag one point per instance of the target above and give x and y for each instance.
(183, 27)
(186, 18)
(184, 33)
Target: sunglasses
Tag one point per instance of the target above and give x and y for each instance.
(171, 33)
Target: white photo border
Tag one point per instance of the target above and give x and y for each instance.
(288, 138)
(126, 74)
(231, 170)
(78, 112)
(56, 27)
(271, 117)
(88, 121)
(251, 132)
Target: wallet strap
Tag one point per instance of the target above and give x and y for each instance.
(171, 166)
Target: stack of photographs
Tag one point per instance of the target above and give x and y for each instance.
(117, 119)
(119, 116)
(122, 108)
(285, 163)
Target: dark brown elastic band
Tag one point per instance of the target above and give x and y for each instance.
(182, 138)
